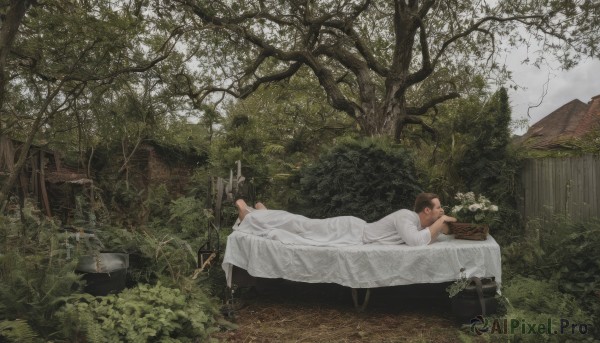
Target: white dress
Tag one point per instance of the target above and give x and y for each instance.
(400, 227)
(290, 228)
(403, 226)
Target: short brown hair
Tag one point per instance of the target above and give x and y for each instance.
(424, 200)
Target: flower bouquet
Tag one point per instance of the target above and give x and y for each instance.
(474, 214)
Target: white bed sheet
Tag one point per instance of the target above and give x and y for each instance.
(364, 266)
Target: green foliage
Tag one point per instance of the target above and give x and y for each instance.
(536, 301)
(563, 252)
(367, 178)
(36, 276)
(487, 135)
(141, 314)
(17, 331)
(188, 216)
(156, 202)
(274, 132)
(456, 287)
(473, 152)
(358, 66)
(155, 255)
(578, 262)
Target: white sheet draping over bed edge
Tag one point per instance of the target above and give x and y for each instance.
(364, 266)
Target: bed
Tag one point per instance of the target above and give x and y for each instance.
(364, 266)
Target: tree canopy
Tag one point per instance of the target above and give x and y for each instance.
(386, 64)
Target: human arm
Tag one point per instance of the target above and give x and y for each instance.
(409, 228)
(440, 226)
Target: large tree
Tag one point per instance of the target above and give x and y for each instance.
(386, 64)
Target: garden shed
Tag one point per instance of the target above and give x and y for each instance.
(44, 177)
(152, 163)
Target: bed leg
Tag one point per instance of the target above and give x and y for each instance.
(362, 307)
(232, 303)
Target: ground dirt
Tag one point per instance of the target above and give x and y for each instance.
(283, 311)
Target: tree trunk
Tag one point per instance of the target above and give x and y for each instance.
(8, 32)
(380, 121)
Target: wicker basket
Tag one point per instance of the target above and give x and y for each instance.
(477, 232)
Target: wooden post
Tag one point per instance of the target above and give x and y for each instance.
(42, 179)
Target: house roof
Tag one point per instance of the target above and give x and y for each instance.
(591, 118)
(574, 119)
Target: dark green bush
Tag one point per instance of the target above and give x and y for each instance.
(369, 179)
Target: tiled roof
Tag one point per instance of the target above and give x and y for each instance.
(558, 126)
(591, 118)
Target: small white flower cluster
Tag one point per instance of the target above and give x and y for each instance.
(472, 208)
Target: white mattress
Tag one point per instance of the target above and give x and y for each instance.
(364, 266)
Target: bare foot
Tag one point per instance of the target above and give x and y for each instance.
(260, 206)
(243, 208)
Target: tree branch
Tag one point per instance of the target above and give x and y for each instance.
(426, 67)
(419, 121)
(417, 111)
(137, 69)
(475, 27)
(245, 91)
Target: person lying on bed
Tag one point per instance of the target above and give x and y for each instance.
(419, 227)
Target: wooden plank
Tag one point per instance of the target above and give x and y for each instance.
(586, 182)
(578, 194)
(571, 188)
(566, 184)
(527, 210)
(562, 185)
(548, 190)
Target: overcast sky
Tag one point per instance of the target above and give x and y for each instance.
(581, 82)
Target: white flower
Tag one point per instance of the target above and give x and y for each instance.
(474, 207)
(470, 196)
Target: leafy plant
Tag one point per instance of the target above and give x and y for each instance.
(537, 301)
(188, 216)
(456, 287)
(141, 314)
(36, 276)
(18, 331)
(564, 253)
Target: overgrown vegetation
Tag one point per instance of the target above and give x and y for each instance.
(554, 271)
(140, 314)
(127, 80)
(40, 292)
(36, 276)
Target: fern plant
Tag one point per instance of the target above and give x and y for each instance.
(18, 331)
(141, 314)
(36, 276)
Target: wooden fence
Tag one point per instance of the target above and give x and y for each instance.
(568, 185)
